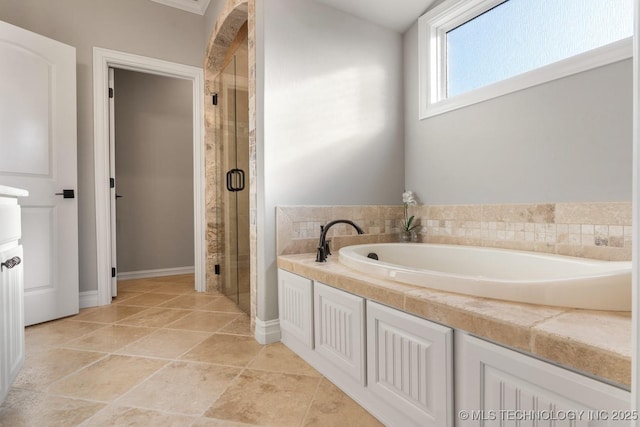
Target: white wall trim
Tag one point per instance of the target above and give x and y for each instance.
(267, 332)
(144, 274)
(102, 60)
(88, 299)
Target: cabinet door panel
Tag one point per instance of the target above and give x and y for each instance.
(295, 302)
(496, 386)
(409, 365)
(11, 320)
(339, 330)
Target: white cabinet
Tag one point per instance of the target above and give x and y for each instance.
(404, 370)
(295, 305)
(11, 294)
(410, 367)
(496, 386)
(397, 366)
(339, 330)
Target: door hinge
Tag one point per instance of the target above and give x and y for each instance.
(110, 92)
(112, 183)
(214, 99)
(216, 269)
(113, 272)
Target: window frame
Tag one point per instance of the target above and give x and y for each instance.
(432, 62)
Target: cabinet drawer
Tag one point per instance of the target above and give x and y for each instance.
(9, 222)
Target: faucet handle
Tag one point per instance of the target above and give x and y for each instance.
(327, 248)
(320, 256)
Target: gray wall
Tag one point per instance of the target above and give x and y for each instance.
(136, 26)
(154, 171)
(332, 110)
(569, 140)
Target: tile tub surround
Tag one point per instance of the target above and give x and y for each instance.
(599, 230)
(596, 343)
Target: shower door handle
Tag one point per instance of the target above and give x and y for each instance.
(235, 180)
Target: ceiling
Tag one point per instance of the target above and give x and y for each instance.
(193, 6)
(397, 15)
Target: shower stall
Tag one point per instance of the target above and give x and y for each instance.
(233, 116)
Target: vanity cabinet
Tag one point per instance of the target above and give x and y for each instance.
(11, 293)
(498, 386)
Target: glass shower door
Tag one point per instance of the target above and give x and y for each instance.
(234, 113)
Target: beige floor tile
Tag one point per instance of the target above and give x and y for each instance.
(67, 362)
(332, 408)
(266, 398)
(24, 408)
(223, 304)
(223, 349)
(114, 415)
(154, 317)
(109, 339)
(42, 368)
(136, 285)
(175, 288)
(240, 326)
(211, 422)
(184, 279)
(108, 378)
(124, 295)
(205, 321)
(150, 299)
(277, 357)
(190, 301)
(45, 335)
(109, 314)
(182, 387)
(165, 343)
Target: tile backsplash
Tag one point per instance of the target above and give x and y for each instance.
(600, 230)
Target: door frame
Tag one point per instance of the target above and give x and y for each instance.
(103, 59)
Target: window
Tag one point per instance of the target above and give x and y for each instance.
(474, 50)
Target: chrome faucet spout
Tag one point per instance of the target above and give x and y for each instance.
(323, 243)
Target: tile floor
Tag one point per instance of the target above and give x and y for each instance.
(164, 355)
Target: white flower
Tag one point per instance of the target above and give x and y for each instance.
(408, 198)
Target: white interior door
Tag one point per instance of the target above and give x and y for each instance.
(38, 153)
(112, 169)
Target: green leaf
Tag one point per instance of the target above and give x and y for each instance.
(409, 222)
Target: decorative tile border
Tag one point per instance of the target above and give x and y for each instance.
(589, 230)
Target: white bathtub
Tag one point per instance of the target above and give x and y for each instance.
(498, 273)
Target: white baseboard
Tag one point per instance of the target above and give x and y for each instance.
(88, 299)
(267, 332)
(144, 274)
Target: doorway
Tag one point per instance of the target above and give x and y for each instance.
(153, 170)
(232, 113)
(103, 59)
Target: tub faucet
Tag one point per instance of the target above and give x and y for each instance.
(323, 243)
